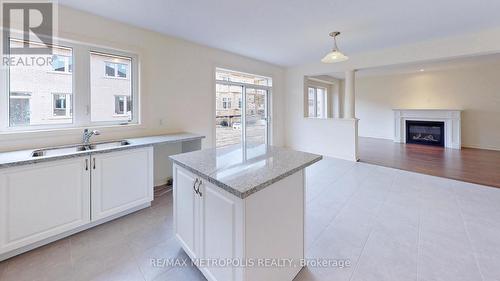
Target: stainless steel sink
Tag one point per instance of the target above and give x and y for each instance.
(62, 150)
(111, 144)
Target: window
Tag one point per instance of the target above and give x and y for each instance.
(311, 101)
(110, 69)
(246, 122)
(111, 99)
(122, 105)
(240, 77)
(116, 70)
(122, 70)
(61, 63)
(41, 92)
(19, 109)
(51, 74)
(62, 105)
(226, 103)
(316, 102)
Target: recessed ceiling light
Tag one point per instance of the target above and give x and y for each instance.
(422, 70)
(335, 55)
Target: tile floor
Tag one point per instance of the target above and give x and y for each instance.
(389, 224)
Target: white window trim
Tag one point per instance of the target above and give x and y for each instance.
(81, 101)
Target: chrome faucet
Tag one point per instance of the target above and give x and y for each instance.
(88, 134)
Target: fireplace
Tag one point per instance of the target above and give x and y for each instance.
(425, 132)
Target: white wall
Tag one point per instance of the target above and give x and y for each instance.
(474, 89)
(330, 137)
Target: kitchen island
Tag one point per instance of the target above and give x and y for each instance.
(239, 211)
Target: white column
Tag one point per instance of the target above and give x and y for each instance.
(349, 98)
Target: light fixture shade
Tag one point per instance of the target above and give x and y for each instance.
(334, 56)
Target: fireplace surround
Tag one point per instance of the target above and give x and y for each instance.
(450, 117)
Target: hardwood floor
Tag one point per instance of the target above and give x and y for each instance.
(471, 165)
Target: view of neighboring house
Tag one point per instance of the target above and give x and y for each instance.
(110, 88)
(238, 92)
(228, 105)
(42, 94)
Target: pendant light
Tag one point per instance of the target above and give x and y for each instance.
(335, 55)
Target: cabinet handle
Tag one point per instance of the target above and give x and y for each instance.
(86, 164)
(94, 164)
(194, 186)
(198, 189)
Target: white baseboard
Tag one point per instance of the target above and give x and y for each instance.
(160, 182)
(481, 147)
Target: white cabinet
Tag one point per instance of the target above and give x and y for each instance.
(120, 181)
(214, 227)
(42, 200)
(187, 212)
(221, 230)
(45, 201)
(208, 223)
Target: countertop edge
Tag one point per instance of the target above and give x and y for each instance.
(280, 177)
(210, 179)
(243, 195)
(134, 144)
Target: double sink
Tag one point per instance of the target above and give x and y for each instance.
(62, 150)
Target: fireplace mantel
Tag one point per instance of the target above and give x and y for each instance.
(450, 117)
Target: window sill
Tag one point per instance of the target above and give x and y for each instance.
(60, 117)
(60, 72)
(66, 129)
(116, 78)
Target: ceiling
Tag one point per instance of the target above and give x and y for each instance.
(421, 67)
(293, 32)
(430, 66)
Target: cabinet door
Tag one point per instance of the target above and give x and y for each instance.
(42, 200)
(120, 181)
(186, 212)
(222, 231)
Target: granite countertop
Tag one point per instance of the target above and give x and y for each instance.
(23, 157)
(243, 171)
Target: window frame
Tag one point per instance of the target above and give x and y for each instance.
(244, 86)
(325, 102)
(67, 109)
(126, 105)
(67, 63)
(81, 95)
(26, 96)
(115, 68)
(132, 75)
